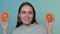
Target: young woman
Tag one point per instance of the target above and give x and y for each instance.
(26, 23)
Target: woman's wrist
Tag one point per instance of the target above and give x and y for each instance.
(49, 31)
(5, 31)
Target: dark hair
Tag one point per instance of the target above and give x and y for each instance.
(19, 23)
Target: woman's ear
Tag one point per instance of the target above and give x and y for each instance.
(19, 15)
(19, 18)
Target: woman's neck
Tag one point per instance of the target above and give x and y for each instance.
(27, 25)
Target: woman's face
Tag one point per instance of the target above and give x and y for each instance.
(26, 14)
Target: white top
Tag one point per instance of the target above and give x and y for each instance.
(32, 29)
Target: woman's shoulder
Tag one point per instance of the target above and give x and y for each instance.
(15, 30)
(40, 27)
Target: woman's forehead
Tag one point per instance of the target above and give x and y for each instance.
(26, 8)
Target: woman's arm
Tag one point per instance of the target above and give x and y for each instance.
(4, 24)
(49, 27)
(5, 31)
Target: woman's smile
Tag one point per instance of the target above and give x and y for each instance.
(26, 14)
(26, 19)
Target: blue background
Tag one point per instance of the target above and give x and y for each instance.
(41, 6)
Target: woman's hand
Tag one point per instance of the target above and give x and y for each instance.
(4, 24)
(49, 27)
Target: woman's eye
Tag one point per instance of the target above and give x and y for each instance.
(30, 12)
(23, 12)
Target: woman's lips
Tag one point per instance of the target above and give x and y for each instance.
(27, 19)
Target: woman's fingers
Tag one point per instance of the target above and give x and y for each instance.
(49, 25)
(4, 24)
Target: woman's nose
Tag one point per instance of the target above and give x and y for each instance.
(27, 15)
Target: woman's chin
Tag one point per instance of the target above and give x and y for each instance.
(26, 23)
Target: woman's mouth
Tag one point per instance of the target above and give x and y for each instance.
(27, 19)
